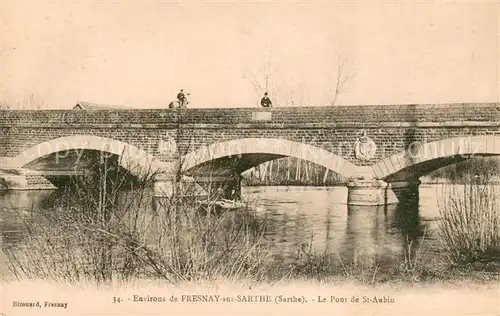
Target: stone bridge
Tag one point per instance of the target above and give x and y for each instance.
(382, 149)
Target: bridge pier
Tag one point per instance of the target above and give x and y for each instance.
(406, 190)
(227, 187)
(379, 192)
(12, 181)
(24, 179)
(369, 192)
(163, 186)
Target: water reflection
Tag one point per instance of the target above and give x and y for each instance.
(297, 218)
(363, 234)
(363, 225)
(22, 200)
(18, 205)
(383, 234)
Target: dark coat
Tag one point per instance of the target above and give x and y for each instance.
(266, 102)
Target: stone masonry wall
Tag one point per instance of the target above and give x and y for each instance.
(341, 142)
(319, 116)
(332, 128)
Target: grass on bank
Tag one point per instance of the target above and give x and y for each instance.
(469, 227)
(106, 227)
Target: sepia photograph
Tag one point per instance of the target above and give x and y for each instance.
(249, 157)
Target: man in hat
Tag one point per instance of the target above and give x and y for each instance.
(181, 97)
(265, 102)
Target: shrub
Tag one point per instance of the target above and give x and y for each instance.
(469, 226)
(105, 227)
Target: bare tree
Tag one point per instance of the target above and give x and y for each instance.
(28, 103)
(298, 95)
(266, 79)
(260, 82)
(340, 77)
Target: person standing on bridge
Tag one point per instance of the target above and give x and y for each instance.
(265, 102)
(181, 97)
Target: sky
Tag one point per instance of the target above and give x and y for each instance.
(140, 53)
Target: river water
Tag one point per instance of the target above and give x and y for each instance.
(315, 217)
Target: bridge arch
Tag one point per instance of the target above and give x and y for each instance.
(132, 158)
(421, 159)
(269, 146)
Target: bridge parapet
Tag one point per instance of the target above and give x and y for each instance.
(321, 116)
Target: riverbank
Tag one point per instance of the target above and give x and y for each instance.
(424, 180)
(290, 171)
(329, 268)
(259, 183)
